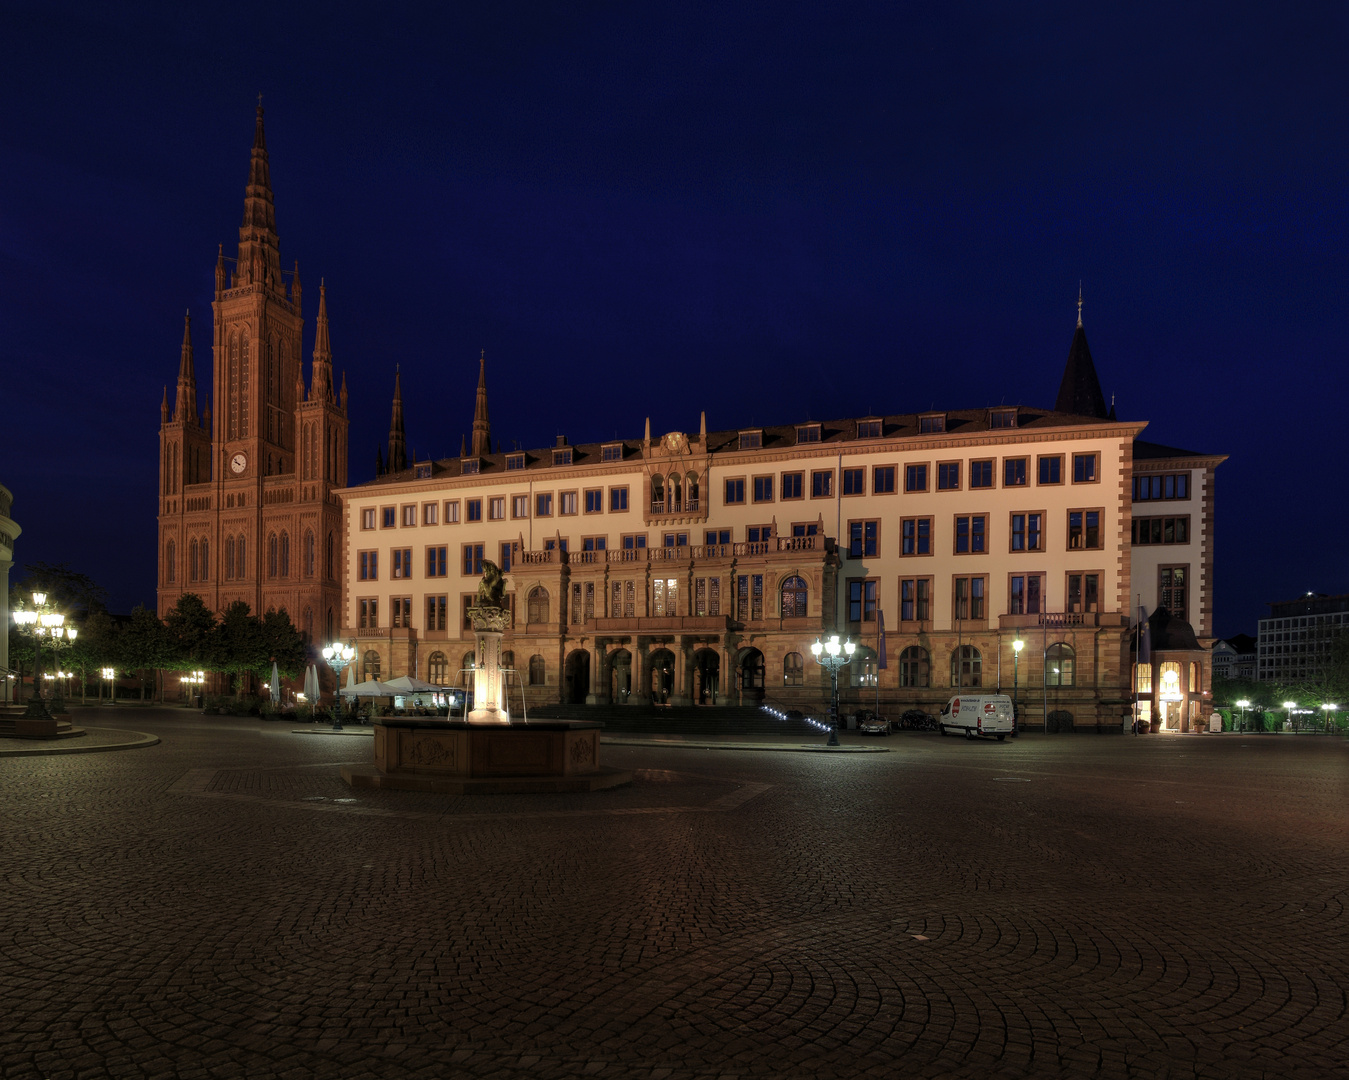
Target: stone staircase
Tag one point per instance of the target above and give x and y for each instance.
(678, 720)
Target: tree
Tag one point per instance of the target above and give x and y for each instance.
(95, 648)
(283, 643)
(240, 648)
(191, 627)
(143, 643)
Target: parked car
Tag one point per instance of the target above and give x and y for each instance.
(868, 723)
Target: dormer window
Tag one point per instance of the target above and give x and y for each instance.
(869, 429)
(1002, 418)
(807, 433)
(469, 466)
(612, 452)
(562, 456)
(751, 440)
(932, 424)
(424, 471)
(514, 462)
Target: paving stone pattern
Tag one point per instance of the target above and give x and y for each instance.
(221, 905)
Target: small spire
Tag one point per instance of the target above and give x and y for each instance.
(482, 427)
(398, 458)
(1079, 303)
(206, 415)
(220, 269)
(702, 425)
(295, 288)
(259, 261)
(164, 407)
(344, 389)
(463, 445)
(648, 430)
(185, 399)
(321, 372)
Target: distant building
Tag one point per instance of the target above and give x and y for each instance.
(697, 567)
(1295, 641)
(1235, 658)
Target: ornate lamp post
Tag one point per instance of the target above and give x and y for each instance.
(108, 675)
(338, 655)
(1017, 646)
(1329, 711)
(833, 657)
(39, 622)
(1243, 704)
(60, 637)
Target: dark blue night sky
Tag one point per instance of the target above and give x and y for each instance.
(767, 212)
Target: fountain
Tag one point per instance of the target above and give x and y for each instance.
(485, 752)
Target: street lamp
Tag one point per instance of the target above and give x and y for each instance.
(1017, 646)
(338, 655)
(38, 622)
(62, 637)
(1290, 706)
(833, 657)
(108, 675)
(1329, 709)
(1243, 704)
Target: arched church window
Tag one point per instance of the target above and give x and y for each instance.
(169, 555)
(229, 558)
(793, 670)
(243, 386)
(437, 668)
(537, 670)
(370, 666)
(240, 562)
(192, 561)
(205, 560)
(271, 555)
(309, 553)
(285, 554)
(330, 557)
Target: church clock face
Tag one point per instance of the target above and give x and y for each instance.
(238, 463)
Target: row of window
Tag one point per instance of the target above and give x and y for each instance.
(917, 477)
(1152, 486)
(439, 673)
(970, 598)
(971, 535)
(234, 565)
(494, 508)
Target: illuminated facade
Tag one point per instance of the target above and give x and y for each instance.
(697, 567)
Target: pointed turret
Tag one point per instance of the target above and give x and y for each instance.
(206, 415)
(164, 407)
(482, 428)
(463, 445)
(344, 391)
(220, 280)
(398, 458)
(295, 288)
(321, 374)
(259, 249)
(1080, 390)
(185, 401)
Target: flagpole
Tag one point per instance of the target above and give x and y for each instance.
(1138, 645)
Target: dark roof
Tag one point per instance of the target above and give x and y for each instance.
(1171, 634)
(1242, 644)
(774, 437)
(1147, 450)
(1080, 390)
(1309, 604)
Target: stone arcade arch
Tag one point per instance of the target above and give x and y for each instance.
(576, 677)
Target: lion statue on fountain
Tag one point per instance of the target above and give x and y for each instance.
(492, 587)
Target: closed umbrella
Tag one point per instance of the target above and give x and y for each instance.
(275, 684)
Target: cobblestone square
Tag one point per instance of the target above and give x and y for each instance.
(221, 904)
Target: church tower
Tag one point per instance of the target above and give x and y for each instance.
(246, 505)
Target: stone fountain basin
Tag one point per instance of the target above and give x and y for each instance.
(456, 757)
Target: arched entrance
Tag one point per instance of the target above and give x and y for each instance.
(751, 677)
(576, 677)
(706, 676)
(620, 676)
(662, 676)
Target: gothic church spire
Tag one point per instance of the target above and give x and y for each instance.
(482, 427)
(185, 402)
(259, 248)
(398, 458)
(321, 378)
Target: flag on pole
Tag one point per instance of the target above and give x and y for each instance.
(880, 663)
(1144, 636)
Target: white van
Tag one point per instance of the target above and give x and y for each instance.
(977, 714)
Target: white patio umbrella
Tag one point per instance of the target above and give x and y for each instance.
(275, 684)
(406, 684)
(369, 689)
